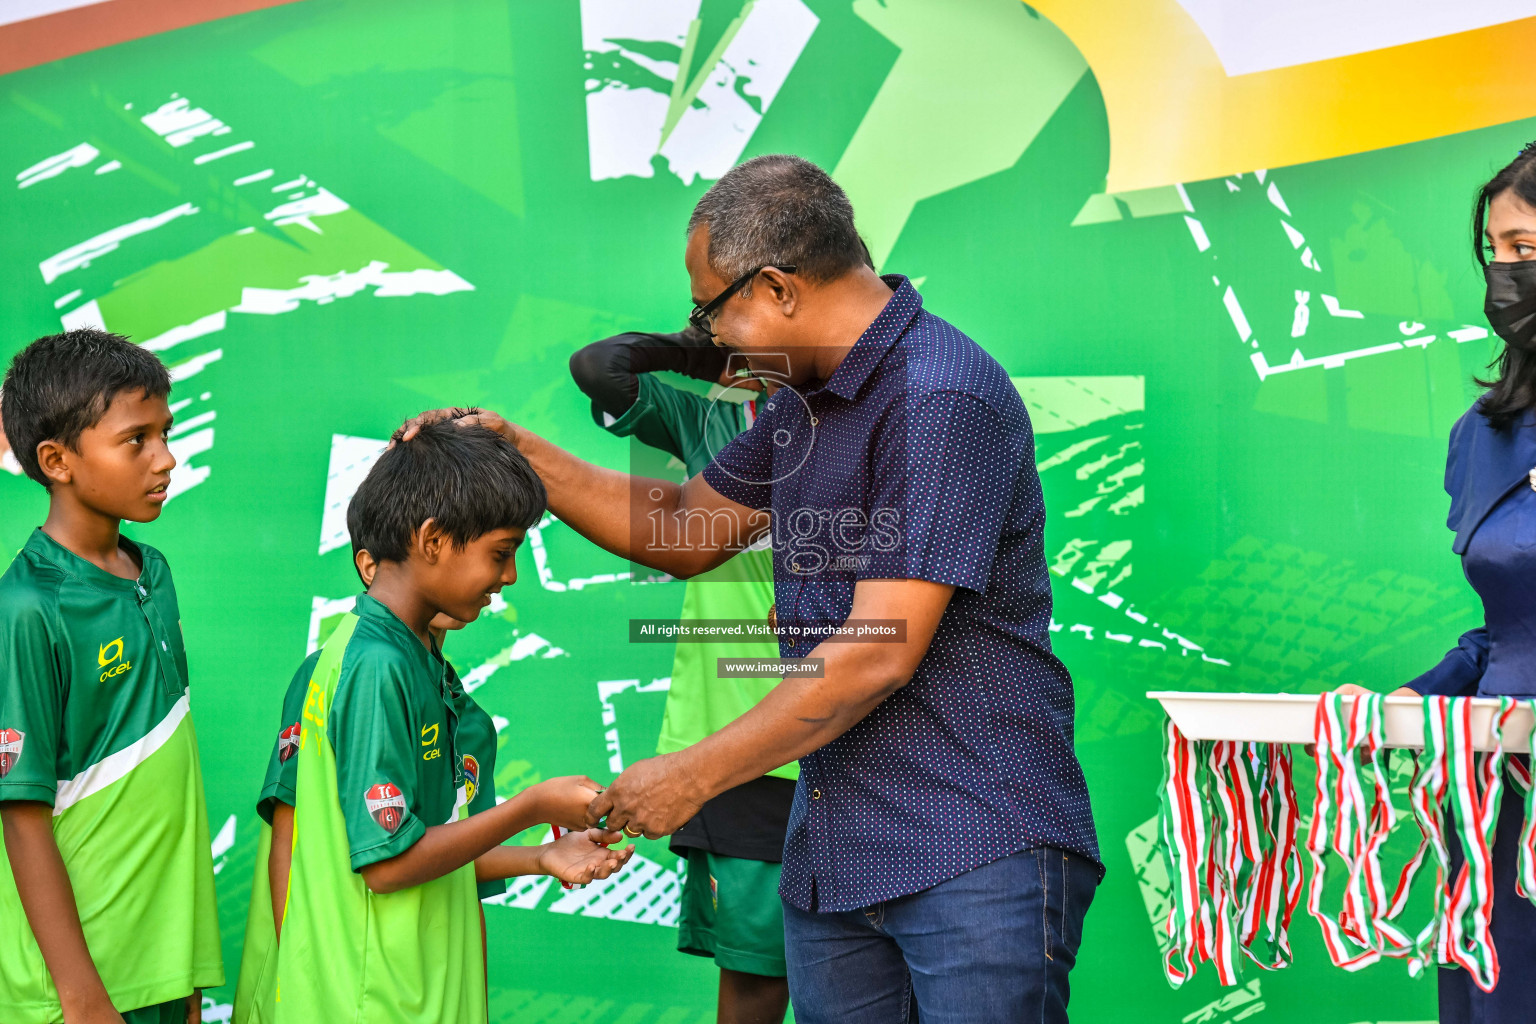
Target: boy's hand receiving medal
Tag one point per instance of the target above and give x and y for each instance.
(583, 856)
(564, 800)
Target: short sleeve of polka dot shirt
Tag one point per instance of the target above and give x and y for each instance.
(916, 461)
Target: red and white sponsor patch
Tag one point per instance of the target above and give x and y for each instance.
(11, 743)
(288, 743)
(386, 804)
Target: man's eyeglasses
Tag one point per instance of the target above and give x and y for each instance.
(703, 316)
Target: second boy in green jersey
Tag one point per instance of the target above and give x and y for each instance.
(577, 858)
(381, 921)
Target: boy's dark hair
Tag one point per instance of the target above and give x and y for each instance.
(360, 541)
(469, 480)
(60, 386)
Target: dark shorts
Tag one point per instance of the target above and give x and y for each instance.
(731, 911)
(173, 1012)
(994, 945)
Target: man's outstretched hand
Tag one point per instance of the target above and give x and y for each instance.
(470, 416)
(656, 796)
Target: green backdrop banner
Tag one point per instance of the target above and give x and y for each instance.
(328, 215)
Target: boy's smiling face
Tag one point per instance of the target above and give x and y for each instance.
(462, 580)
(121, 466)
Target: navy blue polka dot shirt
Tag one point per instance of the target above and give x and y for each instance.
(915, 460)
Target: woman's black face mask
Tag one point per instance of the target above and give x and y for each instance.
(1510, 305)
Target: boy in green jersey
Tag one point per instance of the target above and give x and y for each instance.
(730, 905)
(381, 922)
(576, 858)
(107, 906)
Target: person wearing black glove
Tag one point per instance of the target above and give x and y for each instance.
(730, 905)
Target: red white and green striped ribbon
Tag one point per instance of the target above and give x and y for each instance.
(1518, 771)
(1228, 823)
(1182, 822)
(1274, 885)
(1354, 825)
(1475, 784)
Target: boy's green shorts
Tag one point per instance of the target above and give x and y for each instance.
(731, 911)
(173, 1012)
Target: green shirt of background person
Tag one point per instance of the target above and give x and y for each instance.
(107, 906)
(730, 905)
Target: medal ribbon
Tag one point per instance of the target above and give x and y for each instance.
(1228, 821)
(1475, 784)
(1182, 823)
(1354, 829)
(1518, 771)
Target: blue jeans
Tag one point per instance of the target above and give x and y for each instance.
(994, 944)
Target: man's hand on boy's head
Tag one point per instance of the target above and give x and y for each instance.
(654, 797)
(564, 800)
(579, 857)
(471, 416)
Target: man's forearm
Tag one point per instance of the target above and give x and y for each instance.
(48, 900)
(796, 717)
(446, 848)
(638, 518)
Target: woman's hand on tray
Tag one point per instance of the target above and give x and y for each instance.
(1355, 689)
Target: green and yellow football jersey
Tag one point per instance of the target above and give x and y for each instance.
(376, 767)
(475, 743)
(95, 722)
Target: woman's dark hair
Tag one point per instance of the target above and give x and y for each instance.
(1512, 390)
(468, 479)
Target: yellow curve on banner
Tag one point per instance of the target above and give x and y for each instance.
(1175, 115)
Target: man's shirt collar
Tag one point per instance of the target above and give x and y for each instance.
(899, 312)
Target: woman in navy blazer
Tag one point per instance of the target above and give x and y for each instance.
(1491, 478)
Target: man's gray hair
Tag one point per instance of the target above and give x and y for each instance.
(779, 209)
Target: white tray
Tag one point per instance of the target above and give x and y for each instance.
(1288, 717)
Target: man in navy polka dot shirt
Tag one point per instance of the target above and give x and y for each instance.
(941, 853)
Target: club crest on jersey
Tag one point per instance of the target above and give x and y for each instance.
(288, 743)
(11, 743)
(471, 776)
(386, 804)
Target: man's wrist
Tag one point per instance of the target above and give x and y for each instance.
(699, 774)
(510, 431)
